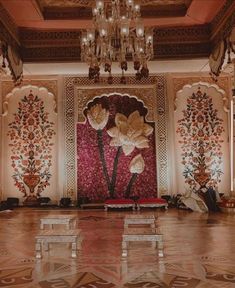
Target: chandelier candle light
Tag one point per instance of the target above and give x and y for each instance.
(118, 35)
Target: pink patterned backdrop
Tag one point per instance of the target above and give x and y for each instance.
(91, 179)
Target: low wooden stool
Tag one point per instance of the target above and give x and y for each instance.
(139, 234)
(58, 236)
(139, 220)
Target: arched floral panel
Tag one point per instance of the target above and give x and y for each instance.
(202, 138)
(116, 150)
(31, 131)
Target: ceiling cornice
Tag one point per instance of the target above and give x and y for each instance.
(68, 13)
(169, 42)
(9, 32)
(222, 24)
(52, 54)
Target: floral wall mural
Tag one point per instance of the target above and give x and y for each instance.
(116, 150)
(201, 132)
(30, 140)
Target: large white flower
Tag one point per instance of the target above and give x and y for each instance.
(98, 117)
(130, 132)
(137, 164)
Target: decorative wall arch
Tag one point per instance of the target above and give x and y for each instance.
(80, 90)
(30, 129)
(207, 85)
(17, 91)
(142, 93)
(105, 159)
(115, 93)
(201, 137)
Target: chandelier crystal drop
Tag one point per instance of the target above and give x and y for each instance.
(118, 35)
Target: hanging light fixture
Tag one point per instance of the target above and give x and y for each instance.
(118, 35)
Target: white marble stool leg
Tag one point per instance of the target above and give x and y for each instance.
(46, 245)
(74, 249)
(79, 243)
(154, 244)
(160, 246)
(124, 248)
(38, 248)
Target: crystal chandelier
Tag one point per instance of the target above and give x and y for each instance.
(118, 35)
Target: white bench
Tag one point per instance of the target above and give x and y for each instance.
(57, 219)
(46, 237)
(151, 203)
(119, 203)
(139, 234)
(139, 219)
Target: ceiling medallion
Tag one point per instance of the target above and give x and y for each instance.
(118, 35)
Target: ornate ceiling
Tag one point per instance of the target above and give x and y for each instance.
(77, 9)
(90, 3)
(50, 30)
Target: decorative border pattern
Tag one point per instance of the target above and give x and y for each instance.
(162, 135)
(79, 91)
(65, 13)
(54, 10)
(168, 43)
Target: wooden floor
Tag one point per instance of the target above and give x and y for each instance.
(199, 252)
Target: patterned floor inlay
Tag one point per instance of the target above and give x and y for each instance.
(198, 252)
(12, 277)
(82, 280)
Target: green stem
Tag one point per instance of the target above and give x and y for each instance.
(114, 175)
(102, 158)
(128, 189)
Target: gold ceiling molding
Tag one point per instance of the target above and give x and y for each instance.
(65, 45)
(11, 33)
(165, 2)
(65, 3)
(223, 22)
(90, 3)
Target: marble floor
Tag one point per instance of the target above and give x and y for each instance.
(199, 252)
